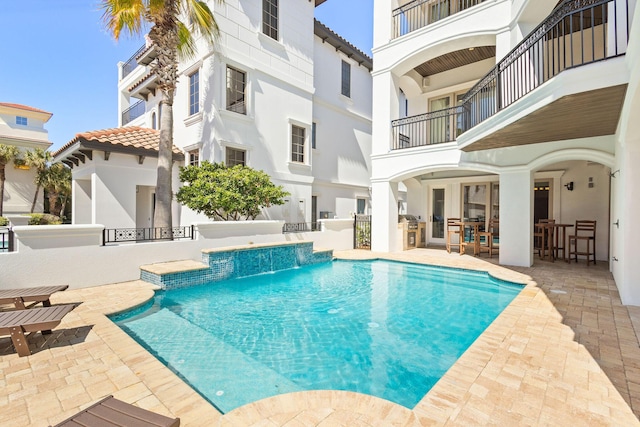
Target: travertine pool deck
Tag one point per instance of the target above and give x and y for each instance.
(565, 352)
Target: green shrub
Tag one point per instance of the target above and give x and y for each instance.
(3, 221)
(44, 219)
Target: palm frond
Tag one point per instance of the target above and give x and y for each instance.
(127, 15)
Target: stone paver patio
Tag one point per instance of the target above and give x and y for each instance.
(565, 352)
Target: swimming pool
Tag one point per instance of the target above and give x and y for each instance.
(383, 328)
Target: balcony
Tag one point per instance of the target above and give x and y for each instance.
(131, 63)
(133, 112)
(572, 36)
(419, 13)
(144, 87)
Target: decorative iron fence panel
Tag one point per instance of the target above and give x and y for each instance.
(299, 227)
(6, 239)
(118, 235)
(362, 232)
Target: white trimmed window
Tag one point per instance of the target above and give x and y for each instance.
(194, 158)
(235, 156)
(297, 143)
(270, 18)
(236, 90)
(194, 93)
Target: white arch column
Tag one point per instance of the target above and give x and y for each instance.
(516, 217)
(384, 216)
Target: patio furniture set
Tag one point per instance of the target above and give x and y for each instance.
(24, 319)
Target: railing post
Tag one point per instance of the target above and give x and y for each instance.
(192, 232)
(104, 236)
(10, 245)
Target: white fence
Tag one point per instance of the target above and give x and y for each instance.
(74, 255)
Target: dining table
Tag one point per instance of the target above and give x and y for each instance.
(475, 225)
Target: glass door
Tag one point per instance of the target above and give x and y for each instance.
(440, 127)
(437, 219)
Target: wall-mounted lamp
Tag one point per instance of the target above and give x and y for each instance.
(569, 186)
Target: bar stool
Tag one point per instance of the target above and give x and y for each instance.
(453, 228)
(585, 231)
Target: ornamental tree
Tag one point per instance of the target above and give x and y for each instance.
(228, 193)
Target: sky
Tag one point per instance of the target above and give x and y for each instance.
(57, 56)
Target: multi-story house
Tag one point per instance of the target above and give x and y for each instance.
(279, 92)
(517, 110)
(23, 127)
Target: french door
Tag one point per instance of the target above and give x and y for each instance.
(437, 216)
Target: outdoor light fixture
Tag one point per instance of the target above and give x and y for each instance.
(569, 186)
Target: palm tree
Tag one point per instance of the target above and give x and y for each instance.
(8, 153)
(56, 181)
(38, 159)
(172, 39)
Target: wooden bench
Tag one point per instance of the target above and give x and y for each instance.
(16, 323)
(111, 412)
(19, 296)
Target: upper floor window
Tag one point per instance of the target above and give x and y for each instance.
(236, 86)
(235, 157)
(21, 120)
(194, 93)
(194, 158)
(297, 144)
(154, 121)
(270, 18)
(346, 79)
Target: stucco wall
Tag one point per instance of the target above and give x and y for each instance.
(73, 255)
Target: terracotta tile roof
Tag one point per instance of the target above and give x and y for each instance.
(144, 78)
(130, 136)
(23, 107)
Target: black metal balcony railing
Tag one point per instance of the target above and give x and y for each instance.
(420, 13)
(117, 235)
(131, 63)
(578, 32)
(133, 112)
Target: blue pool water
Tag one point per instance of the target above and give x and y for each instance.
(383, 328)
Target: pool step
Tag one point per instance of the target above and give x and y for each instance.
(216, 369)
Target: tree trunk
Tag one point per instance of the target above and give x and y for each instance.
(35, 198)
(164, 193)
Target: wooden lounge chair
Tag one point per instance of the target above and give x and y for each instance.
(16, 323)
(19, 296)
(111, 412)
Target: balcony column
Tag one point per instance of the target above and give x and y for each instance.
(516, 218)
(384, 216)
(385, 108)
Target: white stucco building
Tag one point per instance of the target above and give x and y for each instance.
(511, 109)
(22, 126)
(279, 92)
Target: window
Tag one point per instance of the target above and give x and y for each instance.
(313, 135)
(362, 203)
(235, 157)
(270, 18)
(194, 93)
(154, 122)
(21, 120)
(346, 79)
(236, 85)
(297, 144)
(194, 157)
